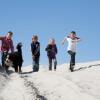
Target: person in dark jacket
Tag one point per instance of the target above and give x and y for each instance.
(35, 49)
(6, 46)
(51, 53)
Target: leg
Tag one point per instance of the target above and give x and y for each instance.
(33, 65)
(3, 59)
(72, 61)
(6, 68)
(50, 64)
(16, 69)
(55, 64)
(36, 65)
(20, 70)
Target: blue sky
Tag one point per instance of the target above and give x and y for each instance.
(53, 18)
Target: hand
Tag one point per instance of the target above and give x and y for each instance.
(33, 56)
(22, 60)
(62, 43)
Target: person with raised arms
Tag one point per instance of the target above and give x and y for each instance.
(72, 40)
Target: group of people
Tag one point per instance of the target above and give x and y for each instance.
(51, 53)
(51, 49)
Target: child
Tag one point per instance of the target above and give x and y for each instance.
(35, 49)
(51, 53)
(6, 46)
(72, 40)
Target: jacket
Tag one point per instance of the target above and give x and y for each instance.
(35, 49)
(51, 51)
(6, 44)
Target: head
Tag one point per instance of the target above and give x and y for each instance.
(19, 45)
(73, 34)
(34, 38)
(9, 35)
(52, 41)
(9, 61)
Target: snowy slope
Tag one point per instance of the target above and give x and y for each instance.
(83, 84)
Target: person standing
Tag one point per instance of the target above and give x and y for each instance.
(51, 53)
(35, 49)
(6, 46)
(72, 40)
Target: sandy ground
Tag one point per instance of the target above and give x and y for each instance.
(83, 84)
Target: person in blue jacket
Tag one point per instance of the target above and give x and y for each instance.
(35, 49)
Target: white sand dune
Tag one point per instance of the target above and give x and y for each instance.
(83, 84)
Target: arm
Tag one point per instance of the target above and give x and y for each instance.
(64, 41)
(47, 48)
(37, 49)
(32, 49)
(12, 46)
(56, 49)
(78, 39)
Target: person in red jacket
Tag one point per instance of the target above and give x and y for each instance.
(6, 46)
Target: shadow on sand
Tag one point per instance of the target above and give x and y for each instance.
(27, 72)
(40, 97)
(10, 72)
(83, 68)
